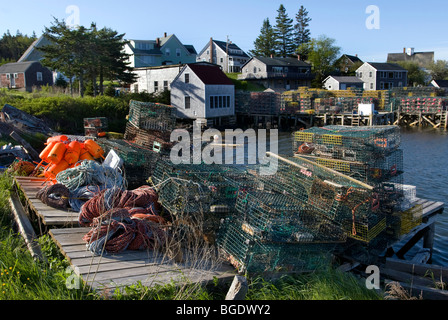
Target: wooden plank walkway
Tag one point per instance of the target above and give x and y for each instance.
(49, 216)
(109, 271)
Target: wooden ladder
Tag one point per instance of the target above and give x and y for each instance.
(444, 119)
(355, 120)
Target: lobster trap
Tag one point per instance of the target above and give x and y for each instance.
(152, 116)
(138, 162)
(356, 144)
(401, 223)
(247, 254)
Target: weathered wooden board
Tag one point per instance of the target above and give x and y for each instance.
(109, 271)
(48, 215)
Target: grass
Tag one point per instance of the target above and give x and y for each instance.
(244, 85)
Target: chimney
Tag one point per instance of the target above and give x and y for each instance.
(211, 50)
(158, 42)
(404, 50)
(164, 34)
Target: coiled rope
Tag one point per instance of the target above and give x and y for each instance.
(56, 196)
(90, 172)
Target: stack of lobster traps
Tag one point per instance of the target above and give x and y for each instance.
(370, 156)
(205, 193)
(150, 125)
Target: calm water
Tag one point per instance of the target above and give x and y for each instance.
(425, 162)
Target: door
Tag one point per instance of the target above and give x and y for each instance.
(12, 80)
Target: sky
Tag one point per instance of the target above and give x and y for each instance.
(371, 29)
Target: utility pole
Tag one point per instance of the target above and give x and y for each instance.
(227, 55)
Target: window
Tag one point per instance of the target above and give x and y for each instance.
(156, 86)
(370, 74)
(178, 52)
(360, 74)
(187, 78)
(220, 102)
(39, 76)
(167, 52)
(371, 86)
(212, 100)
(187, 102)
(228, 101)
(16, 75)
(7, 76)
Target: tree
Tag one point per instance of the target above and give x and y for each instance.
(323, 53)
(302, 32)
(88, 54)
(265, 43)
(438, 70)
(416, 75)
(13, 47)
(283, 32)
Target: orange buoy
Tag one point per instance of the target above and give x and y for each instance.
(44, 154)
(57, 153)
(60, 138)
(52, 171)
(85, 155)
(94, 149)
(72, 153)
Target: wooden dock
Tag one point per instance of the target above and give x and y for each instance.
(108, 271)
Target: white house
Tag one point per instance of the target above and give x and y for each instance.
(225, 54)
(202, 91)
(382, 76)
(342, 83)
(155, 79)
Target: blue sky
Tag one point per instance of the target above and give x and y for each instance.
(422, 25)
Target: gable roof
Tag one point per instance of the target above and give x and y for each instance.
(382, 66)
(345, 79)
(222, 45)
(33, 53)
(281, 62)
(353, 59)
(440, 83)
(422, 58)
(210, 74)
(16, 67)
(232, 46)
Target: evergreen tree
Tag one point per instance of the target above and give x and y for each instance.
(302, 32)
(265, 43)
(13, 47)
(283, 31)
(87, 54)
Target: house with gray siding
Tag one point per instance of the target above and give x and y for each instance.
(166, 50)
(225, 54)
(382, 76)
(202, 91)
(423, 59)
(278, 74)
(342, 83)
(25, 75)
